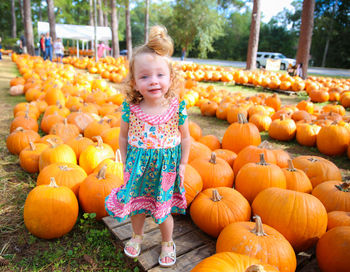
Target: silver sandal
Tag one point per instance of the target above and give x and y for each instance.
(136, 245)
(171, 254)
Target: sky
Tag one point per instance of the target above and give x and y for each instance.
(270, 8)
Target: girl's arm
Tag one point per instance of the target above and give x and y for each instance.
(123, 139)
(185, 142)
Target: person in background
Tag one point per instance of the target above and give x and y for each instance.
(299, 70)
(42, 46)
(101, 50)
(154, 143)
(183, 53)
(48, 46)
(0, 49)
(22, 44)
(58, 49)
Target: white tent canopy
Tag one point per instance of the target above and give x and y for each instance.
(77, 32)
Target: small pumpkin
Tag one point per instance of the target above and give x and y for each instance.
(29, 156)
(338, 218)
(296, 179)
(20, 139)
(193, 183)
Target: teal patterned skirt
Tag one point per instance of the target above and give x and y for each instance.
(152, 185)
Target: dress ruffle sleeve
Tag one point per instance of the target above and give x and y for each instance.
(125, 111)
(182, 112)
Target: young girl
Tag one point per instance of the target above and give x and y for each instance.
(154, 142)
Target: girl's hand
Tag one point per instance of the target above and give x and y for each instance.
(182, 168)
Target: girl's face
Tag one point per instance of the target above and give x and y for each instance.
(152, 76)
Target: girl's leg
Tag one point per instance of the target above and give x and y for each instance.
(166, 229)
(137, 222)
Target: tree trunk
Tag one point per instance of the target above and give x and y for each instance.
(114, 26)
(21, 8)
(146, 20)
(105, 13)
(52, 18)
(254, 36)
(128, 29)
(100, 13)
(329, 34)
(28, 27)
(91, 13)
(13, 17)
(307, 24)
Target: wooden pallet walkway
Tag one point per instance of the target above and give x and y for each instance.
(192, 245)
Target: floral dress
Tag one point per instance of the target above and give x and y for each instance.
(152, 184)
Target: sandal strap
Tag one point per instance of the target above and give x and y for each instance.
(171, 254)
(136, 236)
(168, 244)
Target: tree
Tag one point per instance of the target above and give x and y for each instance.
(146, 20)
(195, 23)
(28, 27)
(91, 13)
(14, 22)
(100, 13)
(52, 18)
(307, 23)
(114, 26)
(105, 12)
(128, 29)
(254, 36)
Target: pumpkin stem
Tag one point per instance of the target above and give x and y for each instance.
(79, 137)
(344, 187)
(102, 173)
(262, 159)
(243, 119)
(19, 129)
(266, 145)
(291, 167)
(32, 146)
(118, 156)
(99, 140)
(258, 230)
(282, 117)
(51, 142)
(53, 182)
(26, 116)
(213, 158)
(313, 159)
(216, 196)
(255, 268)
(64, 168)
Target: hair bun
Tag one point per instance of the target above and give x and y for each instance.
(160, 41)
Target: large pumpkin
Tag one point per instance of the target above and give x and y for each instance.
(215, 172)
(215, 208)
(317, 169)
(259, 241)
(20, 138)
(334, 195)
(282, 129)
(332, 251)
(193, 184)
(338, 218)
(29, 157)
(230, 261)
(50, 211)
(94, 189)
(239, 135)
(300, 217)
(198, 150)
(252, 178)
(296, 179)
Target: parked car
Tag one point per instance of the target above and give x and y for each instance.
(261, 58)
(124, 52)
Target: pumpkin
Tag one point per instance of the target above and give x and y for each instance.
(209, 108)
(16, 90)
(296, 179)
(95, 128)
(79, 143)
(261, 121)
(253, 178)
(215, 172)
(239, 135)
(210, 141)
(94, 154)
(54, 138)
(338, 218)
(25, 122)
(252, 153)
(193, 183)
(334, 195)
(94, 189)
(234, 110)
(274, 102)
(303, 226)
(50, 211)
(259, 241)
(80, 119)
(230, 261)
(332, 250)
(195, 130)
(317, 169)
(111, 136)
(29, 157)
(215, 208)
(198, 150)
(306, 134)
(65, 174)
(282, 129)
(20, 139)
(228, 155)
(333, 140)
(114, 166)
(56, 153)
(48, 121)
(64, 130)
(282, 157)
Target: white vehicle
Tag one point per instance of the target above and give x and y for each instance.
(261, 58)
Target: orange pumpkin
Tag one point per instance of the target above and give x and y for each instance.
(193, 184)
(29, 157)
(296, 179)
(210, 141)
(20, 139)
(338, 218)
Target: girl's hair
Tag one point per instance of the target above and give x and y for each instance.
(160, 43)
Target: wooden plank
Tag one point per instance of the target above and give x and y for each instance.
(189, 260)
(113, 223)
(185, 243)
